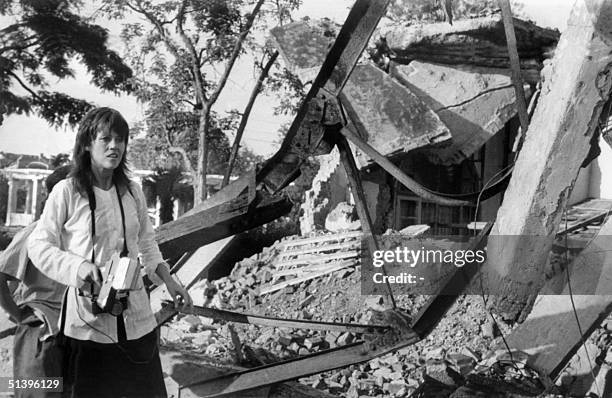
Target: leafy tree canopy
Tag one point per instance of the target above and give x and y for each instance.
(182, 53)
(410, 11)
(44, 38)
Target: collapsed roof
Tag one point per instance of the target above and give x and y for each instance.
(446, 88)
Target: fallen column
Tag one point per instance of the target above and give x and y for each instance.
(557, 142)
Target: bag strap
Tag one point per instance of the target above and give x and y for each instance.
(63, 312)
(92, 209)
(124, 252)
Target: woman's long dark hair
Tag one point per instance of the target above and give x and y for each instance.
(96, 120)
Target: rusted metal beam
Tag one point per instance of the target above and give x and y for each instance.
(354, 180)
(399, 175)
(238, 317)
(515, 66)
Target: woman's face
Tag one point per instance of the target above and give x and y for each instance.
(106, 150)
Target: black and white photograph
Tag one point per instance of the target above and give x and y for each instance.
(306, 198)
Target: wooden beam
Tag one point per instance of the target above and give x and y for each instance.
(355, 244)
(557, 142)
(291, 282)
(354, 180)
(182, 367)
(318, 240)
(515, 66)
(318, 258)
(398, 174)
(227, 219)
(293, 369)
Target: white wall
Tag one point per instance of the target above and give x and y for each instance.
(581, 189)
(600, 184)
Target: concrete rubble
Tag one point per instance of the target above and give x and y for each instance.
(453, 360)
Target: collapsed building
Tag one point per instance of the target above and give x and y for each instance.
(443, 110)
(437, 114)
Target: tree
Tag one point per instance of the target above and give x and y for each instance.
(174, 55)
(246, 160)
(44, 38)
(61, 159)
(408, 12)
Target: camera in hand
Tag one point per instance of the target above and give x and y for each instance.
(119, 277)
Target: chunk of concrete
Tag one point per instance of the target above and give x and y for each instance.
(342, 218)
(304, 44)
(476, 41)
(475, 103)
(388, 115)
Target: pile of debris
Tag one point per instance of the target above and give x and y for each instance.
(444, 363)
(335, 297)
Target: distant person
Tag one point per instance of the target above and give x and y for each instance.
(94, 215)
(34, 306)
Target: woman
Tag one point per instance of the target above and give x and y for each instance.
(90, 217)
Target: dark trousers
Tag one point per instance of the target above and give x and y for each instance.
(131, 368)
(33, 358)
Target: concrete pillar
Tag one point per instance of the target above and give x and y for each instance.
(34, 208)
(157, 210)
(577, 86)
(28, 203)
(10, 206)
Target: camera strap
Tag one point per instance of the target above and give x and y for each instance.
(92, 209)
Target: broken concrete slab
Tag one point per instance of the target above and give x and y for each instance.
(475, 103)
(550, 333)
(393, 118)
(304, 44)
(342, 218)
(477, 41)
(194, 269)
(388, 115)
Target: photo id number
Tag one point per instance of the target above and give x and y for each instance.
(10, 384)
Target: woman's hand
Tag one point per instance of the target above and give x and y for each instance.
(179, 294)
(175, 289)
(89, 273)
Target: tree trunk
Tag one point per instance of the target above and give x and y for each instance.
(245, 117)
(556, 144)
(199, 186)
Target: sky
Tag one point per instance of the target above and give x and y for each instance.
(32, 135)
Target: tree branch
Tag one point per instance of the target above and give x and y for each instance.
(159, 26)
(235, 53)
(245, 117)
(22, 47)
(25, 86)
(195, 59)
